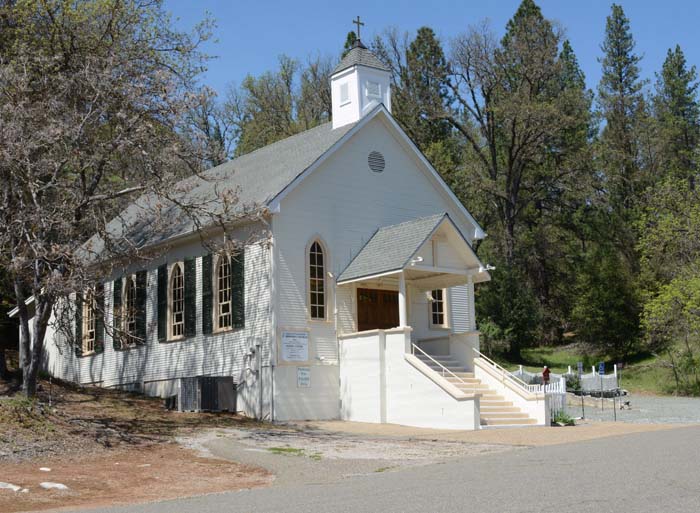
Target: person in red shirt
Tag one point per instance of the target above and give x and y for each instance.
(545, 375)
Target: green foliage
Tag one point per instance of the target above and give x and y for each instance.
(606, 310)
(508, 310)
(350, 40)
(561, 418)
(420, 94)
(280, 103)
(678, 114)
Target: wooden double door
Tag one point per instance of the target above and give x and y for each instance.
(377, 309)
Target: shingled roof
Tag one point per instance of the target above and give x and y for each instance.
(258, 177)
(360, 55)
(391, 248)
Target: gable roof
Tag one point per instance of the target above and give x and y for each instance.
(360, 55)
(258, 177)
(262, 178)
(391, 248)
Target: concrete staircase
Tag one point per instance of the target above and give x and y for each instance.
(495, 410)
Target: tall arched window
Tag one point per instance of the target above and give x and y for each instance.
(223, 318)
(317, 282)
(130, 312)
(177, 302)
(89, 322)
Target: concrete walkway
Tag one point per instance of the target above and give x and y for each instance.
(525, 436)
(642, 472)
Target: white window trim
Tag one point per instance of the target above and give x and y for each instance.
(215, 290)
(89, 306)
(445, 309)
(171, 269)
(307, 273)
(340, 94)
(372, 95)
(126, 334)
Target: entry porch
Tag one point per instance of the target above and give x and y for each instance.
(409, 350)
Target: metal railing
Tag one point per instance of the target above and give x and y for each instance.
(443, 369)
(505, 375)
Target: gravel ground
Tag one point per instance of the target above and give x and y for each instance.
(642, 409)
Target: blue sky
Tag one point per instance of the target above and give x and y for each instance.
(251, 35)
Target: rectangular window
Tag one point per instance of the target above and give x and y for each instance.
(438, 316)
(374, 90)
(344, 94)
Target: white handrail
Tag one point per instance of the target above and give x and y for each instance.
(442, 367)
(504, 373)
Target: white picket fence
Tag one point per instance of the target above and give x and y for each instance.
(555, 389)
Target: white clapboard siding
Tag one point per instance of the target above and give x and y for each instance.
(216, 354)
(343, 202)
(458, 302)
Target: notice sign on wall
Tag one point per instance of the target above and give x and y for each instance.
(295, 346)
(303, 377)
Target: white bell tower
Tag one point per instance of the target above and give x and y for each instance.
(359, 83)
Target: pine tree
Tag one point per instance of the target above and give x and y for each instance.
(350, 40)
(620, 100)
(677, 112)
(421, 94)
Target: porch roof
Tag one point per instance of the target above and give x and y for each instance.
(392, 248)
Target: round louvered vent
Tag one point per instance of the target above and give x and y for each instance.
(376, 162)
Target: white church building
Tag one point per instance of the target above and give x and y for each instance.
(359, 305)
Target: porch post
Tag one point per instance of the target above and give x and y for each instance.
(472, 309)
(403, 321)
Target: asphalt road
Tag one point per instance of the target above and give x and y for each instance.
(646, 472)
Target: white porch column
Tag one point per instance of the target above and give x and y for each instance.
(403, 317)
(472, 309)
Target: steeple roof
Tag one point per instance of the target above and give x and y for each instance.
(359, 55)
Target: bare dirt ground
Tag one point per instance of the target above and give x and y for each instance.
(107, 447)
(155, 473)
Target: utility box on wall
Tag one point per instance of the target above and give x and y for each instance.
(207, 393)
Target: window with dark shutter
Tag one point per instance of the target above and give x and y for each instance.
(117, 328)
(238, 286)
(99, 318)
(78, 342)
(207, 295)
(162, 302)
(190, 298)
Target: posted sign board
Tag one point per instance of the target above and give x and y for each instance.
(580, 369)
(295, 346)
(303, 377)
(601, 368)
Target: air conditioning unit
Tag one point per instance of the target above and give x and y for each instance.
(207, 393)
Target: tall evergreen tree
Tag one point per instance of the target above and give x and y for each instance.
(677, 112)
(620, 99)
(421, 94)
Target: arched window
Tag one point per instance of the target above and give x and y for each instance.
(177, 302)
(317, 282)
(130, 312)
(223, 314)
(89, 322)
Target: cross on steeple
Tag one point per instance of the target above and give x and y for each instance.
(359, 24)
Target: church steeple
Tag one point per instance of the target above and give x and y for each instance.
(358, 83)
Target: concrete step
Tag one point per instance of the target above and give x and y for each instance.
(503, 415)
(459, 379)
(508, 422)
(489, 401)
(498, 409)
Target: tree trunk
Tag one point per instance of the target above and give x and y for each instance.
(3, 364)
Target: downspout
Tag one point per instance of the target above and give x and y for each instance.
(258, 355)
